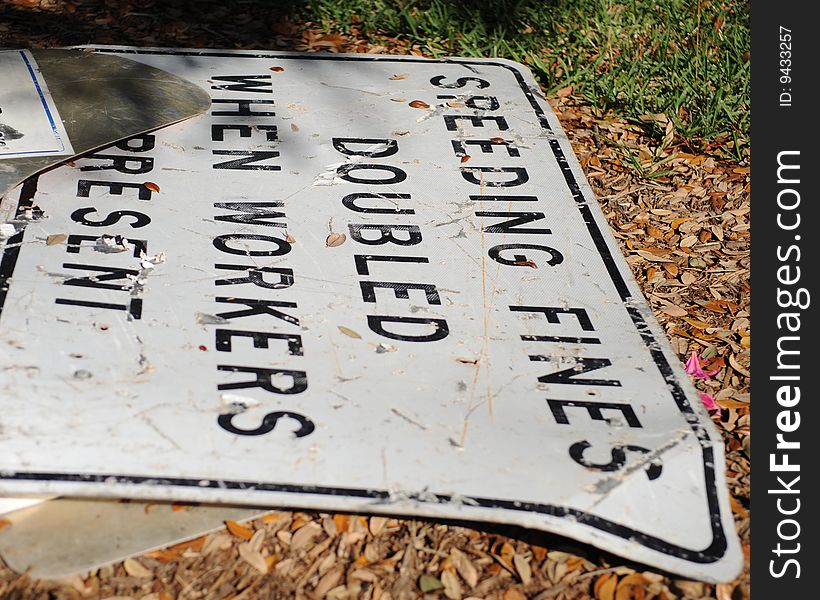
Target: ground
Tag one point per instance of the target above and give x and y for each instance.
(681, 217)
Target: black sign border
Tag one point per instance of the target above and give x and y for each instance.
(712, 553)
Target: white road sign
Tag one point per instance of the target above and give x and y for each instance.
(358, 283)
(29, 122)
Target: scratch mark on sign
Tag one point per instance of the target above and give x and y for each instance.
(409, 420)
(206, 319)
(341, 87)
(451, 221)
(151, 424)
(605, 485)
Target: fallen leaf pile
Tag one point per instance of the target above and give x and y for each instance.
(317, 555)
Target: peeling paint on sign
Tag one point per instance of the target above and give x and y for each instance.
(347, 315)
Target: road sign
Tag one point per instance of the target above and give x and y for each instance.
(55, 103)
(365, 283)
(69, 536)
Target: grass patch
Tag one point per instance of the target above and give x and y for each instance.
(686, 59)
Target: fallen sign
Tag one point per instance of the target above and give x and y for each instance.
(57, 103)
(66, 536)
(359, 283)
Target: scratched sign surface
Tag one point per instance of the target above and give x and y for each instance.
(372, 284)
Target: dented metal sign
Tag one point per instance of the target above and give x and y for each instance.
(67, 536)
(371, 283)
(29, 122)
(55, 103)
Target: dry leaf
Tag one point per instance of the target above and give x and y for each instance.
(694, 589)
(364, 575)
(361, 561)
(513, 594)
(335, 239)
(341, 522)
(283, 567)
(299, 519)
(671, 269)
(522, 567)
(305, 535)
(257, 540)
(419, 104)
(136, 569)
(735, 404)
(428, 583)
(271, 517)
(698, 324)
(724, 591)
(349, 333)
(736, 366)
(277, 69)
(330, 527)
(371, 553)
(330, 580)
(737, 507)
(628, 584)
(253, 557)
(654, 118)
(290, 239)
(326, 564)
(238, 530)
(465, 158)
(464, 567)
(539, 553)
(294, 127)
(526, 263)
(4, 523)
(399, 76)
(172, 553)
(151, 186)
(284, 536)
(507, 553)
(452, 589)
(377, 524)
(653, 257)
(217, 541)
(674, 311)
(688, 278)
(55, 239)
(605, 586)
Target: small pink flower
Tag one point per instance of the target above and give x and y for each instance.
(694, 368)
(709, 403)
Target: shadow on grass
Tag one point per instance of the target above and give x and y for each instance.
(187, 23)
(251, 24)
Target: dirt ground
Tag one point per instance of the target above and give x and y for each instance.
(682, 221)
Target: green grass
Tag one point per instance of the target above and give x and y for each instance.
(684, 58)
